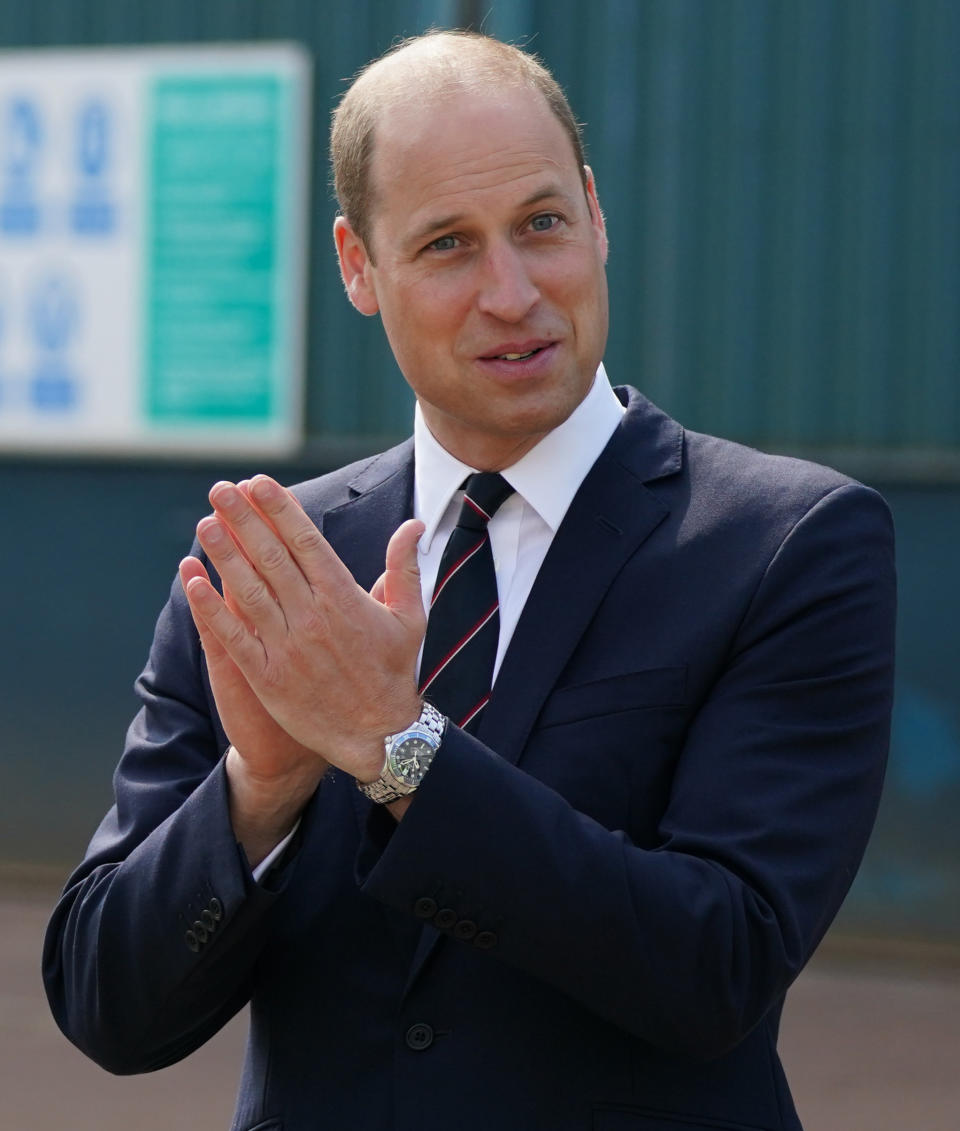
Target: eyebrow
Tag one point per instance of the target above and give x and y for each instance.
(454, 218)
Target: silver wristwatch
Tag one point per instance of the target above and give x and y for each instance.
(408, 757)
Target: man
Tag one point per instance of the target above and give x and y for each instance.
(575, 901)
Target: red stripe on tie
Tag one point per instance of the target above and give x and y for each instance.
(466, 640)
(453, 569)
(476, 506)
(471, 715)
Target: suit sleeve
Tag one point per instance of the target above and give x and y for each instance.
(151, 947)
(775, 787)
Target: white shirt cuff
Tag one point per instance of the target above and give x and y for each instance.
(273, 856)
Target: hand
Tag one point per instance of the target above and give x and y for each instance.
(332, 665)
(271, 776)
(248, 725)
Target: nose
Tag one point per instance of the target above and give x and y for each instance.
(506, 289)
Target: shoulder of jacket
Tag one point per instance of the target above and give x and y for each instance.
(330, 490)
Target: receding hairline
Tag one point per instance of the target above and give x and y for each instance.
(439, 60)
(423, 69)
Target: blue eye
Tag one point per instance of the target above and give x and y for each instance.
(444, 243)
(545, 222)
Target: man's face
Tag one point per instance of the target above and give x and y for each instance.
(489, 272)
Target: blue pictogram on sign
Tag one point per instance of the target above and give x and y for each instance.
(54, 319)
(93, 212)
(20, 144)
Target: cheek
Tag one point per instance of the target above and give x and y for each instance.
(423, 330)
(591, 302)
(575, 282)
(429, 309)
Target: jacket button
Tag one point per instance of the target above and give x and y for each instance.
(200, 931)
(486, 940)
(465, 930)
(445, 918)
(192, 941)
(216, 909)
(425, 907)
(419, 1037)
(206, 916)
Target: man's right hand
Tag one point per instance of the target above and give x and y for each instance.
(271, 776)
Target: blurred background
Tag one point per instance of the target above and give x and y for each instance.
(781, 180)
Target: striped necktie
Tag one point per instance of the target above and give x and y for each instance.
(463, 626)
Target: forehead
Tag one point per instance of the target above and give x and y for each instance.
(466, 144)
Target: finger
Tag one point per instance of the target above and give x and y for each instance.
(259, 541)
(234, 606)
(401, 579)
(221, 630)
(232, 603)
(193, 569)
(249, 594)
(308, 547)
(244, 486)
(212, 649)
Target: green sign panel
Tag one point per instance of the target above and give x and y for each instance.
(217, 274)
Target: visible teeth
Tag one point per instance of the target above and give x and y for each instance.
(517, 356)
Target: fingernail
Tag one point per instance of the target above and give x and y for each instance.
(209, 529)
(262, 487)
(224, 495)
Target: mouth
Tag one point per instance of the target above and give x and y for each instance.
(515, 356)
(521, 353)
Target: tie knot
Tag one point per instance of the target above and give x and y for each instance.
(483, 493)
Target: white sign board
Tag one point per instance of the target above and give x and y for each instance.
(152, 249)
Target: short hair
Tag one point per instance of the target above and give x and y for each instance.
(445, 59)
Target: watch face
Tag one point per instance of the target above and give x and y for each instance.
(410, 759)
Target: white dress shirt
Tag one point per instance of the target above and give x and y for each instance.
(544, 481)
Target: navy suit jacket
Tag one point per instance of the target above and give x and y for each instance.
(591, 912)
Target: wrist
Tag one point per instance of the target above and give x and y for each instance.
(408, 755)
(264, 810)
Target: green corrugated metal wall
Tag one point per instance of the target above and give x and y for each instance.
(782, 181)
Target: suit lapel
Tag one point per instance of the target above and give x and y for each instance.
(610, 517)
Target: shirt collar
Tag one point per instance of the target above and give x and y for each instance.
(547, 477)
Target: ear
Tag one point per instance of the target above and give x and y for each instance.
(356, 270)
(596, 213)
